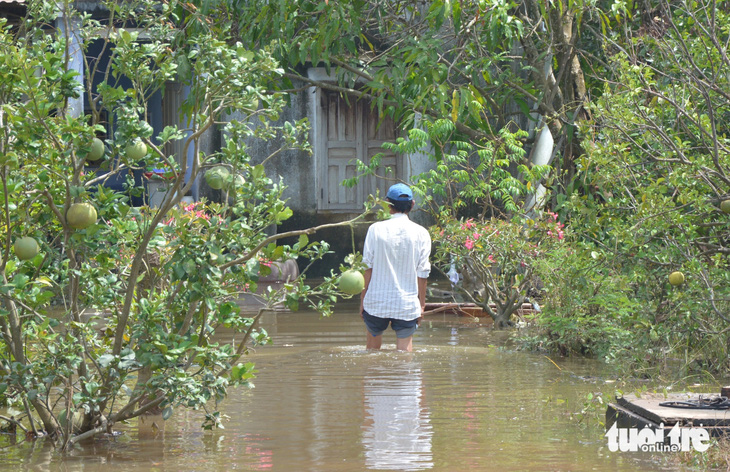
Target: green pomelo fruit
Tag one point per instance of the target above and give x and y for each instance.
(725, 206)
(676, 278)
(97, 150)
(81, 215)
(136, 150)
(351, 282)
(217, 177)
(26, 248)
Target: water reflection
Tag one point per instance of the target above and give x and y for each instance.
(255, 447)
(454, 339)
(324, 404)
(397, 429)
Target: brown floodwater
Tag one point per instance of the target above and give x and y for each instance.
(463, 400)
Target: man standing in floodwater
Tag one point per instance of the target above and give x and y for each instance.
(396, 253)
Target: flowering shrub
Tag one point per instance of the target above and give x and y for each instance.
(190, 213)
(496, 258)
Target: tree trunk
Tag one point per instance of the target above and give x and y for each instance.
(502, 319)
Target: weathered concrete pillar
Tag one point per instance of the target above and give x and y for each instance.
(68, 26)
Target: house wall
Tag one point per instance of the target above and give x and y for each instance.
(295, 167)
(298, 171)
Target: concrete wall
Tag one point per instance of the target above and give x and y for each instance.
(296, 168)
(298, 172)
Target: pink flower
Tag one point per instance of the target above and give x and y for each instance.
(491, 259)
(469, 244)
(561, 235)
(202, 214)
(476, 236)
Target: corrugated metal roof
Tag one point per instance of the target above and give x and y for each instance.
(17, 2)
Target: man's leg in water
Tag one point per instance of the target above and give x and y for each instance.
(404, 344)
(374, 342)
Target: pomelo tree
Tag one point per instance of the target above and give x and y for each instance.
(117, 314)
(648, 200)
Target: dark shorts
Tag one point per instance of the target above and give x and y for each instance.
(376, 326)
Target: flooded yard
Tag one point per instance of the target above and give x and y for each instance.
(460, 401)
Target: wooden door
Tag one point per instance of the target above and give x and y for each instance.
(351, 132)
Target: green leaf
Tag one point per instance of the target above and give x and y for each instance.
(283, 215)
(303, 241)
(244, 54)
(236, 372)
(523, 106)
(126, 36)
(20, 281)
(105, 359)
(258, 172)
(10, 267)
(77, 191)
(278, 253)
(456, 14)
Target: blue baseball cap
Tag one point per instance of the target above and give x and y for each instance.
(400, 193)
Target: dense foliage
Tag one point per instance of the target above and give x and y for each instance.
(633, 96)
(118, 312)
(647, 199)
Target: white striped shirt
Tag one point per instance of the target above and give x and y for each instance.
(397, 251)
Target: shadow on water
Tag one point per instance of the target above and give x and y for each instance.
(460, 401)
